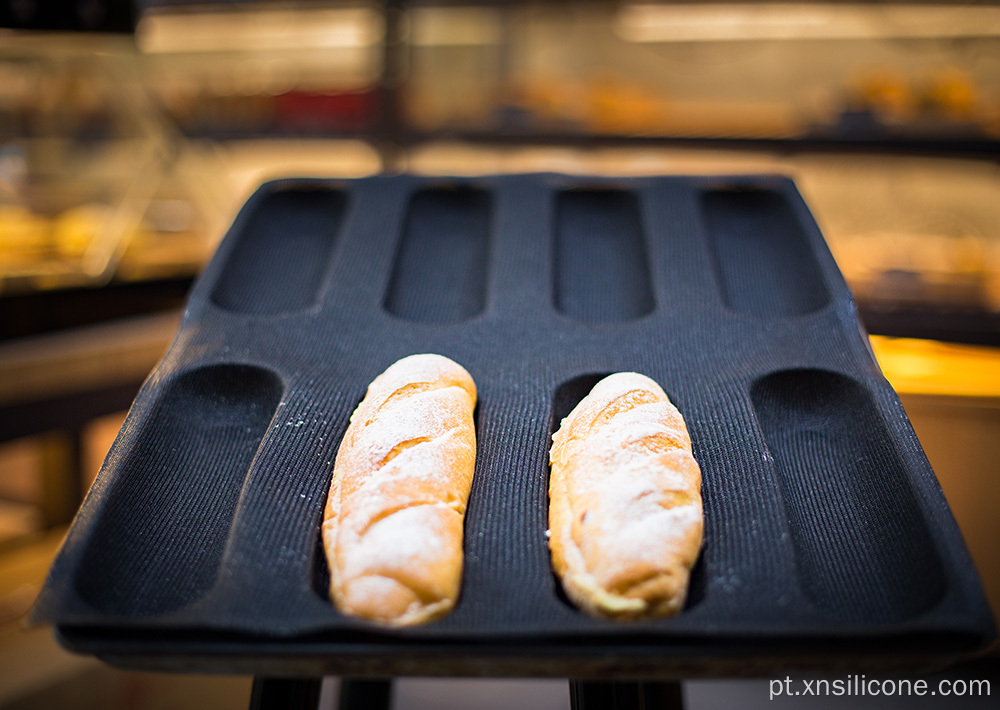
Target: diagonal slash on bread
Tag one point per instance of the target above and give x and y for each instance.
(394, 519)
(625, 510)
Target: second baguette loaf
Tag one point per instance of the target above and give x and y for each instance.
(394, 519)
(625, 512)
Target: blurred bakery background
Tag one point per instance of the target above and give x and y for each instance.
(132, 130)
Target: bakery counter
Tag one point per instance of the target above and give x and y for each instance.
(52, 386)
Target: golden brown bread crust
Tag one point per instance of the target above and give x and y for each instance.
(625, 512)
(393, 524)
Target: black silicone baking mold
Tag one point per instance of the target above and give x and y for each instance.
(826, 533)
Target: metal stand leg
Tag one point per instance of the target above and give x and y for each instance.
(285, 694)
(365, 694)
(625, 695)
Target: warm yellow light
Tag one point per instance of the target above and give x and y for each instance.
(263, 29)
(712, 22)
(934, 368)
(454, 26)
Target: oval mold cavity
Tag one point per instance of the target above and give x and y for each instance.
(764, 265)
(281, 258)
(158, 543)
(862, 547)
(600, 265)
(440, 271)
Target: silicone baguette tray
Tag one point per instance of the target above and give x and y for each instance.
(827, 538)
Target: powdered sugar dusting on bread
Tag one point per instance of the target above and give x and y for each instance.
(625, 509)
(402, 477)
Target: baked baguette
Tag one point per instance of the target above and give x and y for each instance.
(394, 518)
(625, 512)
